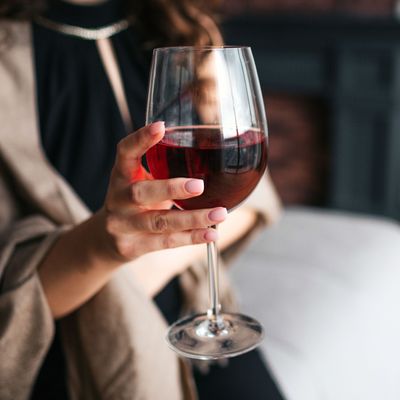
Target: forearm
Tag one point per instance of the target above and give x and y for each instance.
(76, 267)
(236, 226)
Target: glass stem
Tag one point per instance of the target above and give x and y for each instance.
(212, 258)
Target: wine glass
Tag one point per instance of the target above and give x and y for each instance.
(216, 130)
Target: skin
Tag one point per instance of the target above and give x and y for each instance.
(135, 228)
(135, 221)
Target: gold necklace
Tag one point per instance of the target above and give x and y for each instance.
(103, 32)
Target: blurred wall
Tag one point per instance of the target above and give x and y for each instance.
(330, 73)
(361, 7)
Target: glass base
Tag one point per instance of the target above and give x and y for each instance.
(203, 338)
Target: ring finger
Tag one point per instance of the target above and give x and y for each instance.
(166, 221)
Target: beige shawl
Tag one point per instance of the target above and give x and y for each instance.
(114, 344)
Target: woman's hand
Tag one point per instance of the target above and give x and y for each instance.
(137, 217)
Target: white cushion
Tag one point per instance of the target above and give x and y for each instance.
(326, 286)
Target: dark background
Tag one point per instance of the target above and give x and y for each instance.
(330, 73)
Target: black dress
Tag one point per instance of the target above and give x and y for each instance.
(80, 125)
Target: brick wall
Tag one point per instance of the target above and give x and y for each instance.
(371, 7)
(298, 153)
(363, 7)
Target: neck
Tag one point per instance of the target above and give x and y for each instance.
(87, 14)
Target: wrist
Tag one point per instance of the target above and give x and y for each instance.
(77, 266)
(100, 251)
(102, 246)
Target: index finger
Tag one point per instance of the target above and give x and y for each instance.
(131, 149)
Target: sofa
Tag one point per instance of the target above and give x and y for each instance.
(326, 287)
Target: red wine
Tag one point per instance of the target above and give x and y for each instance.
(230, 166)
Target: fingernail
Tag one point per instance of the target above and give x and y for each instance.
(157, 127)
(194, 186)
(211, 235)
(218, 215)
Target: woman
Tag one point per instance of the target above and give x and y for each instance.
(70, 94)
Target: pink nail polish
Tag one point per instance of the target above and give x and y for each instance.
(194, 186)
(211, 236)
(218, 215)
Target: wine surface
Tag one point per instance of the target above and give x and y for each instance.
(229, 166)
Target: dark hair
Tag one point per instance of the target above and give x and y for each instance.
(162, 22)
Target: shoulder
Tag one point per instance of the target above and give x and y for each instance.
(14, 33)
(15, 50)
